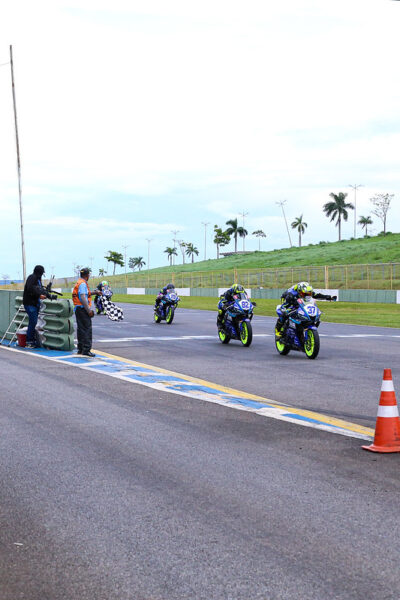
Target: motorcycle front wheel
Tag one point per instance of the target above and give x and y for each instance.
(157, 317)
(311, 344)
(170, 315)
(246, 333)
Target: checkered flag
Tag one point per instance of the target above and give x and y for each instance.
(112, 311)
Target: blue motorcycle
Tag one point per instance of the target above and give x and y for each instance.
(236, 324)
(166, 309)
(299, 331)
(107, 294)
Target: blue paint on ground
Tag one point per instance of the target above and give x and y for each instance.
(245, 402)
(184, 387)
(156, 378)
(309, 420)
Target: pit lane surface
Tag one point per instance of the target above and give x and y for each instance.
(115, 491)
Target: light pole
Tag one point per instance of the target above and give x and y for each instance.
(18, 168)
(126, 281)
(205, 223)
(244, 214)
(281, 203)
(174, 240)
(148, 252)
(355, 188)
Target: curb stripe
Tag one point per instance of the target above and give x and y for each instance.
(192, 387)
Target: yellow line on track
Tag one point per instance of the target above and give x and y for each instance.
(346, 425)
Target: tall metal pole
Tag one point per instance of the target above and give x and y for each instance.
(21, 216)
(174, 240)
(205, 223)
(126, 278)
(281, 203)
(148, 252)
(355, 188)
(244, 214)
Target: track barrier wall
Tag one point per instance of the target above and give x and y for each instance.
(57, 315)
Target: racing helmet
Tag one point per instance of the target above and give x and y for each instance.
(236, 288)
(104, 283)
(304, 289)
(170, 286)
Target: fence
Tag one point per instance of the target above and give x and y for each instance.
(383, 276)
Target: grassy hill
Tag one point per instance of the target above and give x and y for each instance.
(371, 250)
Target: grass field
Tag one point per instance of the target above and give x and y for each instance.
(380, 315)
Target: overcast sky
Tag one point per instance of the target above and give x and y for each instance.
(140, 118)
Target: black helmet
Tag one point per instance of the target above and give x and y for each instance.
(170, 286)
(237, 288)
(84, 272)
(38, 270)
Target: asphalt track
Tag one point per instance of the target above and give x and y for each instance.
(114, 490)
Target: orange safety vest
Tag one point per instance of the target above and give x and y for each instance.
(75, 297)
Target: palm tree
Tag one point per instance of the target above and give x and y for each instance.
(260, 234)
(364, 222)
(171, 252)
(116, 258)
(300, 225)
(235, 230)
(337, 209)
(191, 250)
(136, 262)
(102, 272)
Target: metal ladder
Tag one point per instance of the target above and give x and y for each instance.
(20, 310)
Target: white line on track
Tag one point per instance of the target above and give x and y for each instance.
(212, 337)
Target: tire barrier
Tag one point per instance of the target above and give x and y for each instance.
(55, 327)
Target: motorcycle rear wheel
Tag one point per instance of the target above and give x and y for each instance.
(311, 344)
(246, 333)
(224, 337)
(282, 348)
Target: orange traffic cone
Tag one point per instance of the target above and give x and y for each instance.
(387, 430)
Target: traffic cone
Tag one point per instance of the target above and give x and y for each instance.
(387, 430)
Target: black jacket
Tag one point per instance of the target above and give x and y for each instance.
(33, 290)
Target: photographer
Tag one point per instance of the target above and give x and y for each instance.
(33, 293)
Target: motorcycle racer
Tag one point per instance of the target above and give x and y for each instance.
(290, 298)
(225, 299)
(162, 293)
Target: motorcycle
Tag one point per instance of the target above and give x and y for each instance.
(300, 331)
(166, 309)
(237, 321)
(106, 293)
